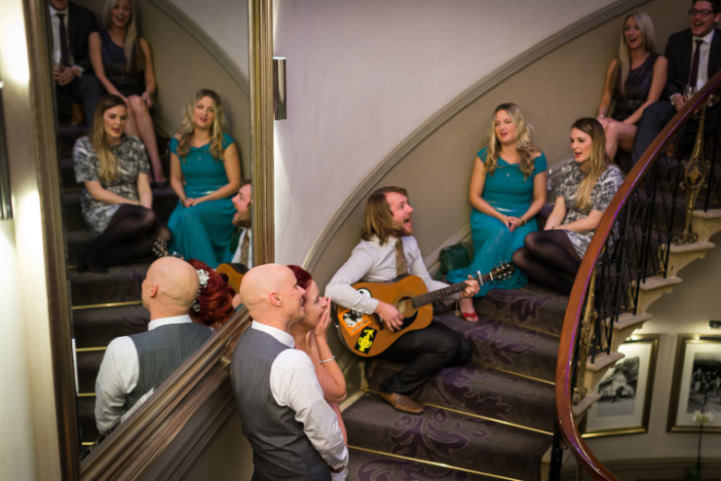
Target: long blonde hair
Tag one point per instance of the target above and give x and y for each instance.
(107, 161)
(645, 24)
(187, 126)
(597, 162)
(525, 147)
(134, 55)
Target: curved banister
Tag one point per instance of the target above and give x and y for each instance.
(573, 316)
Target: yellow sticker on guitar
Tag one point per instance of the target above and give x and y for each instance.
(365, 340)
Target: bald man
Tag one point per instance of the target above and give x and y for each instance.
(293, 431)
(133, 366)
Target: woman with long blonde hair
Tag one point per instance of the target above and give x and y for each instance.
(585, 187)
(507, 190)
(123, 63)
(634, 80)
(205, 174)
(116, 201)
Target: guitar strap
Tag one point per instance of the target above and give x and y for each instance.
(401, 262)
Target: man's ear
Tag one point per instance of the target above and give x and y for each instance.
(153, 291)
(274, 299)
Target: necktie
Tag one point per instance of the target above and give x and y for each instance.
(401, 263)
(64, 51)
(693, 76)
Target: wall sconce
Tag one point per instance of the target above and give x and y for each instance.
(279, 100)
(6, 210)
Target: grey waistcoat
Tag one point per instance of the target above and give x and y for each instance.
(281, 450)
(161, 351)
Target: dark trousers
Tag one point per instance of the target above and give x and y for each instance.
(85, 89)
(653, 120)
(424, 352)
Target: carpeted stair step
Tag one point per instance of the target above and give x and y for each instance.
(86, 419)
(121, 284)
(98, 326)
(88, 365)
(507, 347)
(442, 436)
(534, 307)
(365, 466)
(483, 392)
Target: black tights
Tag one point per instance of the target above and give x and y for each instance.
(129, 235)
(548, 257)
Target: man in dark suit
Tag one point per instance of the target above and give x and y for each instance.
(72, 72)
(694, 56)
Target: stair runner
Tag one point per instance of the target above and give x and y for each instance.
(104, 306)
(492, 418)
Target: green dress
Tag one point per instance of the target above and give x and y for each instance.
(202, 231)
(510, 193)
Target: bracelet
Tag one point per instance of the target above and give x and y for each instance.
(331, 358)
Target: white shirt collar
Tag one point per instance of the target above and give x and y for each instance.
(279, 335)
(164, 321)
(707, 38)
(54, 11)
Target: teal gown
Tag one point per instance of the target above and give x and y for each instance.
(510, 194)
(202, 231)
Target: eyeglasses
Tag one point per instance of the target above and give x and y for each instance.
(704, 13)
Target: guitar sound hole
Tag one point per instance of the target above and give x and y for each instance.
(405, 307)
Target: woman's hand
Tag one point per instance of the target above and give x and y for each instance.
(188, 202)
(324, 321)
(147, 99)
(514, 223)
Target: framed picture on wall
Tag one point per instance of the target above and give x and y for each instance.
(696, 384)
(625, 391)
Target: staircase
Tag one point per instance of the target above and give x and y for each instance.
(104, 306)
(492, 418)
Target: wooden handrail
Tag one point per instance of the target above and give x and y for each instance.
(566, 351)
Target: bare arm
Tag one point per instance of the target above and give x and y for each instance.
(658, 83)
(150, 85)
(96, 58)
(607, 93)
(144, 191)
(540, 181)
(231, 162)
(475, 192)
(588, 223)
(557, 214)
(176, 178)
(330, 376)
(99, 193)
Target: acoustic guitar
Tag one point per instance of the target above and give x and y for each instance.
(365, 334)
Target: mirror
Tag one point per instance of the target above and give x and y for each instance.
(192, 48)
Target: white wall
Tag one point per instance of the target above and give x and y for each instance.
(226, 22)
(16, 448)
(363, 75)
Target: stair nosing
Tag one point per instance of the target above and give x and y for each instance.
(511, 424)
(81, 307)
(431, 463)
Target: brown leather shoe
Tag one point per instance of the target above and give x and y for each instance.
(401, 402)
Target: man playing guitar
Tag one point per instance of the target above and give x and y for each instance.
(379, 258)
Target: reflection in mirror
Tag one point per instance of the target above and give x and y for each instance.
(180, 53)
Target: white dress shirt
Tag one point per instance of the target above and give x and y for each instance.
(705, 49)
(118, 376)
(372, 262)
(55, 24)
(237, 255)
(293, 384)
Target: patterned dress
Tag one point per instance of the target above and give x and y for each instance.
(566, 185)
(132, 161)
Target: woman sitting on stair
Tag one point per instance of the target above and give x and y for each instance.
(116, 201)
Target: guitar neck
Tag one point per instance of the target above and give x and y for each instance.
(433, 296)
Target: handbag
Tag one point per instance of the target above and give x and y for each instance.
(454, 257)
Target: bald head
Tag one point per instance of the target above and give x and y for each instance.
(169, 288)
(272, 295)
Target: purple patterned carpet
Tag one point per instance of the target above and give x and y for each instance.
(489, 419)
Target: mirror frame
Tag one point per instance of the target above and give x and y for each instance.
(163, 438)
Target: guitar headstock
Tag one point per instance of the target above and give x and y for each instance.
(502, 271)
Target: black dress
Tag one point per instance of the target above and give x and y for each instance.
(127, 81)
(638, 83)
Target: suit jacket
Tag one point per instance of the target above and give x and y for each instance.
(81, 23)
(678, 53)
